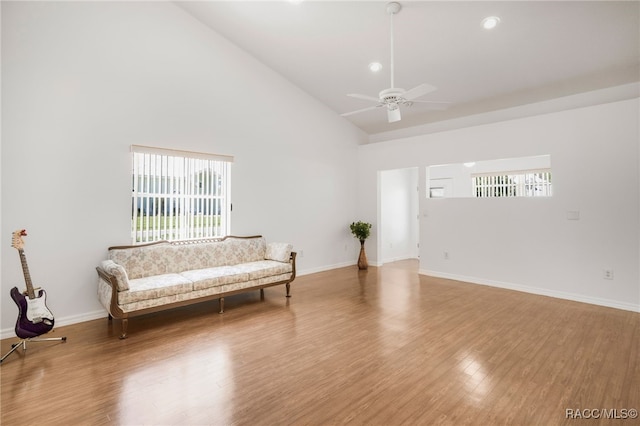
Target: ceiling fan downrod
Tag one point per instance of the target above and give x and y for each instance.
(392, 9)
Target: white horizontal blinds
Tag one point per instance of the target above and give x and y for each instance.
(526, 183)
(179, 196)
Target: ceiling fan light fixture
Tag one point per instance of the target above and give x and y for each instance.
(393, 113)
(490, 22)
(375, 66)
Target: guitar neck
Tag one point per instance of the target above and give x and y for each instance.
(27, 277)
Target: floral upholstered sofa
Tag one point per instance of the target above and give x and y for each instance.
(146, 278)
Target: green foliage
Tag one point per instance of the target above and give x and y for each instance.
(171, 221)
(360, 230)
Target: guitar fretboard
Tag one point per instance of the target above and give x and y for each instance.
(27, 277)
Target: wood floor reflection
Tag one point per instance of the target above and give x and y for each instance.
(385, 346)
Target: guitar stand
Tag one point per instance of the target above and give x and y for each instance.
(23, 343)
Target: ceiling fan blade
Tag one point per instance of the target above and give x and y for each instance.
(418, 91)
(360, 110)
(432, 104)
(365, 97)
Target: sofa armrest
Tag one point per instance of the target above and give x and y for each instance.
(280, 252)
(293, 265)
(113, 269)
(112, 280)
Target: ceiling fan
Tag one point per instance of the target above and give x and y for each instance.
(393, 97)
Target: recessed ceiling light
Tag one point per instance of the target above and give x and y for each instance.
(490, 22)
(470, 164)
(375, 66)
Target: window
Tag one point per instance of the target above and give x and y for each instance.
(498, 178)
(530, 183)
(179, 195)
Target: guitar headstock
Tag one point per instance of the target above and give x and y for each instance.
(16, 240)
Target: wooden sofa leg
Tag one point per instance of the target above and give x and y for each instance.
(125, 323)
(262, 294)
(288, 289)
(221, 302)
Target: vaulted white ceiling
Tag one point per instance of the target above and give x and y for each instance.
(540, 50)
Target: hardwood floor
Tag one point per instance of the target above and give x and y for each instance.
(379, 347)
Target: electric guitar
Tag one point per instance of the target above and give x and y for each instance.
(34, 317)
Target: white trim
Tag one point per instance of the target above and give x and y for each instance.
(102, 314)
(179, 153)
(9, 333)
(535, 290)
(301, 272)
(397, 259)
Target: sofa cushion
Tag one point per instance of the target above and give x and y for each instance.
(117, 271)
(273, 278)
(211, 277)
(264, 268)
(203, 255)
(191, 256)
(143, 261)
(243, 250)
(280, 252)
(155, 287)
(160, 301)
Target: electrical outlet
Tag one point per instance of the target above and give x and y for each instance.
(301, 253)
(607, 274)
(446, 255)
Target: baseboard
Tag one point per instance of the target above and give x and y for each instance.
(89, 316)
(536, 290)
(310, 271)
(397, 259)
(8, 333)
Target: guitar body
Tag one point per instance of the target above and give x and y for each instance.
(34, 318)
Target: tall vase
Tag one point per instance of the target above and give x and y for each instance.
(362, 259)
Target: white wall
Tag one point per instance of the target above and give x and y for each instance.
(82, 81)
(398, 214)
(527, 243)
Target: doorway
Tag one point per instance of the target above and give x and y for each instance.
(398, 207)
